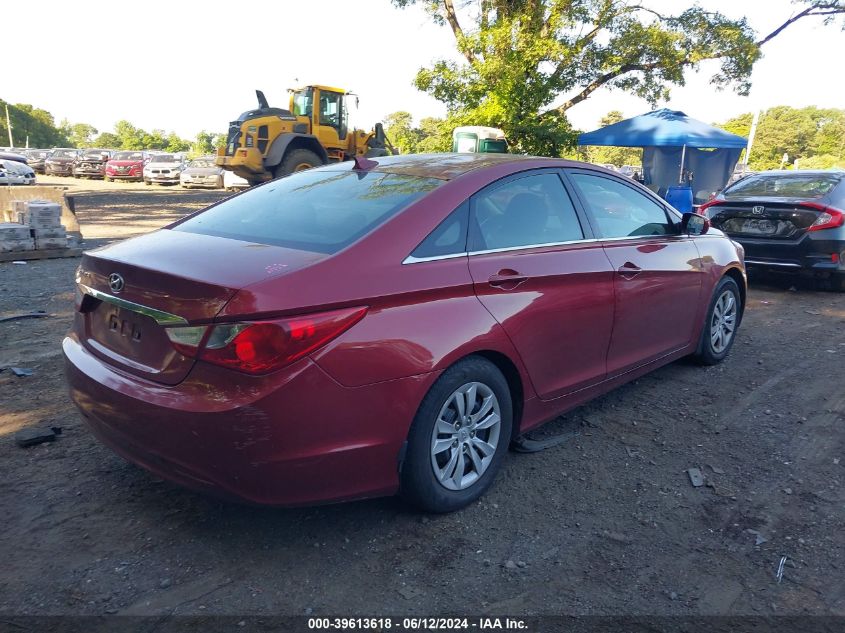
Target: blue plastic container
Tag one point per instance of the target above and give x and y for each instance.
(680, 197)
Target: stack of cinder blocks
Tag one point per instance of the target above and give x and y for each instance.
(41, 221)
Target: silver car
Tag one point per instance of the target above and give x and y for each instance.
(202, 172)
(164, 169)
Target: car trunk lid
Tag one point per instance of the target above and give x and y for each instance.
(131, 292)
(774, 219)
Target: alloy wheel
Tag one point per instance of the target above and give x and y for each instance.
(465, 436)
(723, 321)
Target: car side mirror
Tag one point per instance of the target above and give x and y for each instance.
(694, 224)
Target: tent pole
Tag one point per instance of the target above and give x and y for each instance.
(683, 156)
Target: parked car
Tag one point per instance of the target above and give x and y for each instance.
(127, 165)
(13, 172)
(91, 163)
(164, 169)
(366, 328)
(35, 158)
(233, 182)
(202, 172)
(13, 156)
(787, 221)
(60, 161)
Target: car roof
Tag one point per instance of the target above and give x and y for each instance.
(449, 166)
(801, 172)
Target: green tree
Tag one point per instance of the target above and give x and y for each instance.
(207, 143)
(107, 140)
(801, 133)
(432, 134)
(29, 122)
(435, 135)
(525, 63)
(81, 134)
(176, 144)
(130, 136)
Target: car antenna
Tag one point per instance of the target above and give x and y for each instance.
(364, 164)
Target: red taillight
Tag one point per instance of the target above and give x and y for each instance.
(265, 346)
(829, 218)
(702, 210)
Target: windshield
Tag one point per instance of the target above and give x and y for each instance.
(95, 153)
(303, 103)
(796, 185)
(165, 158)
(319, 211)
(36, 154)
(64, 153)
(128, 156)
(202, 162)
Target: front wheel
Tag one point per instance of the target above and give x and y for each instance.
(297, 160)
(723, 317)
(458, 438)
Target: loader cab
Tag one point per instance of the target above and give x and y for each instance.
(327, 111)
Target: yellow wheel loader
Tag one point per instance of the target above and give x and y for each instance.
(268, 143)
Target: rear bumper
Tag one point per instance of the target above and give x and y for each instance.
(208, 184)
(291, 438)
(816, 253)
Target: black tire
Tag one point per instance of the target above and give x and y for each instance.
(219, 184)
(708, 353)
(418, 483)
(148, 182)
(295, 160)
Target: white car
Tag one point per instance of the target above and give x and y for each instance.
(164, 169)
(15, 173)
(233, 182)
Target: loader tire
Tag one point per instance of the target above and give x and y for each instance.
(297, 160)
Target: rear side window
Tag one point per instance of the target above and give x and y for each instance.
(449, 238)
(620, 210)
(528, 211)
(785, 185)
(315, 210)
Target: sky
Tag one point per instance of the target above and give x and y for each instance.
(191, 66)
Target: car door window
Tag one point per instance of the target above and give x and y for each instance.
(527, 211)
(620, 210)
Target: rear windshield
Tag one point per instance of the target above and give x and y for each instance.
(129, 156)
(785, 185)
(319, 211)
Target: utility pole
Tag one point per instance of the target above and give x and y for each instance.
(9, 126)
(751, 134)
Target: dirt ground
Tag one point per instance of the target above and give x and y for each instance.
(607, 523)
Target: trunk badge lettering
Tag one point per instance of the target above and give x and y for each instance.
(758, 209)
(116, 282)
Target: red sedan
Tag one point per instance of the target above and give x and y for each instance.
(361, 330)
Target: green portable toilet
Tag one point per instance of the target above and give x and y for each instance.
(479, 139)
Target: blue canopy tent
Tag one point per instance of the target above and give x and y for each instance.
(676, 150)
